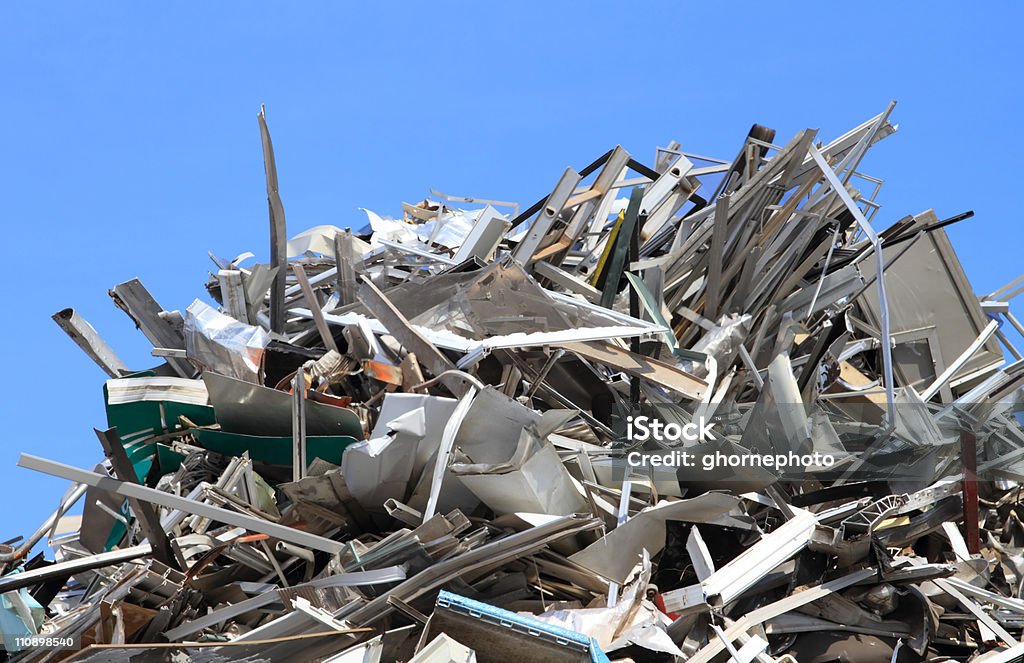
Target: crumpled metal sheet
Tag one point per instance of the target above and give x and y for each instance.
(220, 343)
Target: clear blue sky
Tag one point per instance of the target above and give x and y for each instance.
(130, 144)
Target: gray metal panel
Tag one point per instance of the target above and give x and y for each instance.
(243, 407)
(927, 287)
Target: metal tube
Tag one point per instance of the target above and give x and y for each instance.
(294, 551)
(48, 525)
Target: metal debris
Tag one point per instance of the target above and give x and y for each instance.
(698, 410)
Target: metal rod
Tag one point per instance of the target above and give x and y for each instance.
(124, 489)
(969, 458)
(883, 302)
(299, 425)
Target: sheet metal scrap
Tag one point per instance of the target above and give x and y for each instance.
(425, 440)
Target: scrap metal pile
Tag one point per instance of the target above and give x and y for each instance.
(419, 442)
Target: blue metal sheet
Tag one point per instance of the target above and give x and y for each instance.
(521, 623)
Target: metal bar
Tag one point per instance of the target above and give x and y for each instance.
(149, 519)
(299, 425)
(124, 489)
(700, 556)
(883, 302)
(164, 329)
(748, 361)
(353, 579)
(1016, 605)
(314, 308)
(1014, 321)
(824, 271)
(621, 518)
(634, 310)
(403, 513)
(959, 362)
(278, 228)
(451, 430)
(613, 272)
(295, 551)
(85, 337)
(489, 555)
(782, 606)
(71, 497)
(534, 208)
(478, 201)
(17, 581)
(402, 330)
(566, 280)
(712, 293)
(544, 370)
(232, 294)
(483, 239)
(975, 610)
(740, 574)
(969, 458)
(998, 294)
(647, 172)
(600, 198)
(1008, 345)
(848, 166)
(658, 191)
(345, 272)
(546, 218)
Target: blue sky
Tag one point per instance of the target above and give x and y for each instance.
(131, 148)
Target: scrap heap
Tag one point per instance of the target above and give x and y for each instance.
(414, 443)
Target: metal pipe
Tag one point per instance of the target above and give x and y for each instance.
(49, 524)
(294, 551)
